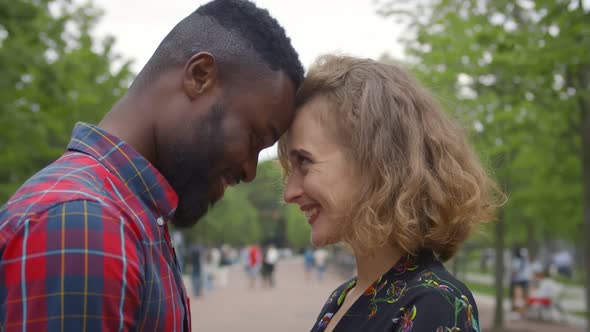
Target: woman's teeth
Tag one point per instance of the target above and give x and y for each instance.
(310, 213)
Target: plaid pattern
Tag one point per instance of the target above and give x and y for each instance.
(81, 248)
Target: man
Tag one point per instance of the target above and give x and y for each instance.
(84, 243)
(196, 269)
(320, 257)
(564, 263)
(269, 262)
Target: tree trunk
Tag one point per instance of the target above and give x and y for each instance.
(584, 103)
(586, 170)
(499, 275)
(531, 239)
(281, 236)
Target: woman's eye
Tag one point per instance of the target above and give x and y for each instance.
(303, 161)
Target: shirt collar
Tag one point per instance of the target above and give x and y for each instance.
(133, 169)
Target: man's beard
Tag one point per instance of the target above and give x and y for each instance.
(197, 167)
(193, 203)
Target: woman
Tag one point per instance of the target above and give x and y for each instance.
(374, 163)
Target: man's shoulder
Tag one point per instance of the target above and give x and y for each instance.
(73, 177)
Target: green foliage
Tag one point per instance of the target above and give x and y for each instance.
(298, 231)
(517, 74)
(234, 220)
(506, 69)
(254, 212)
(54, 73)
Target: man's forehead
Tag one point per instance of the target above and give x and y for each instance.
(282, 111)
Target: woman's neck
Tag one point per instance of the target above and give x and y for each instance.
(371, 267)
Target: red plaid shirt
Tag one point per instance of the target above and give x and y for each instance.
(84, 244)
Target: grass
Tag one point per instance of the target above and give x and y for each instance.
(474, 268)
(477, 287)
(579, 313)
(577, 280)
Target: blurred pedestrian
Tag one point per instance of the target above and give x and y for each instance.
(211, 268)
(179, 247)
(564, 263)
(224, 264)
(195, 258)
(254, 263)
(485, 261)
(308, 262)
(520, 278)
(271, 257)
(320, 259)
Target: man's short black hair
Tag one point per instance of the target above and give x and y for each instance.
(236, 32)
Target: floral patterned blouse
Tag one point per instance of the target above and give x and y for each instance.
(417, 294)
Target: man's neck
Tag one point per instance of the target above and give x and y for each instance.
(125, 122)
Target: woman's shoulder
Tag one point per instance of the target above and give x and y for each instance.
(435, 278)
(432, 282)
(338, 295)
(433, 298)
(333, 303)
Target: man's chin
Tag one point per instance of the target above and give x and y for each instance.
(188, 220)
(192, 206)
(184, 223)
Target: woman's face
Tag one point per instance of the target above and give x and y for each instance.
(322, 181)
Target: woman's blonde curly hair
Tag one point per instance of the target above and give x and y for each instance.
(422, 185)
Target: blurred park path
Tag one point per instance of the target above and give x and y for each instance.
(572, 298)
(292, 306)
(573, 295)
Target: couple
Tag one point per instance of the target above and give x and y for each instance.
(367, 154)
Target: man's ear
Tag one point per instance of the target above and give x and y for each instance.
(200, 74)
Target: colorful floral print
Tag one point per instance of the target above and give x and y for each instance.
(417, 294)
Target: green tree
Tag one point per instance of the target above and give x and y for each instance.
(234, 220)
(298, 230)
(54, 73)
(517, 74)
(282, 223)
(254, 212)
(265, 193)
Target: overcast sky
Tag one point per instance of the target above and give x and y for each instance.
(315, 27)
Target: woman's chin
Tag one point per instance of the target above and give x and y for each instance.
(319, 241)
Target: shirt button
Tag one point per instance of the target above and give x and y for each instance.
(160, 221)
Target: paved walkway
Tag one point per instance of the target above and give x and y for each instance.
(292, 306)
